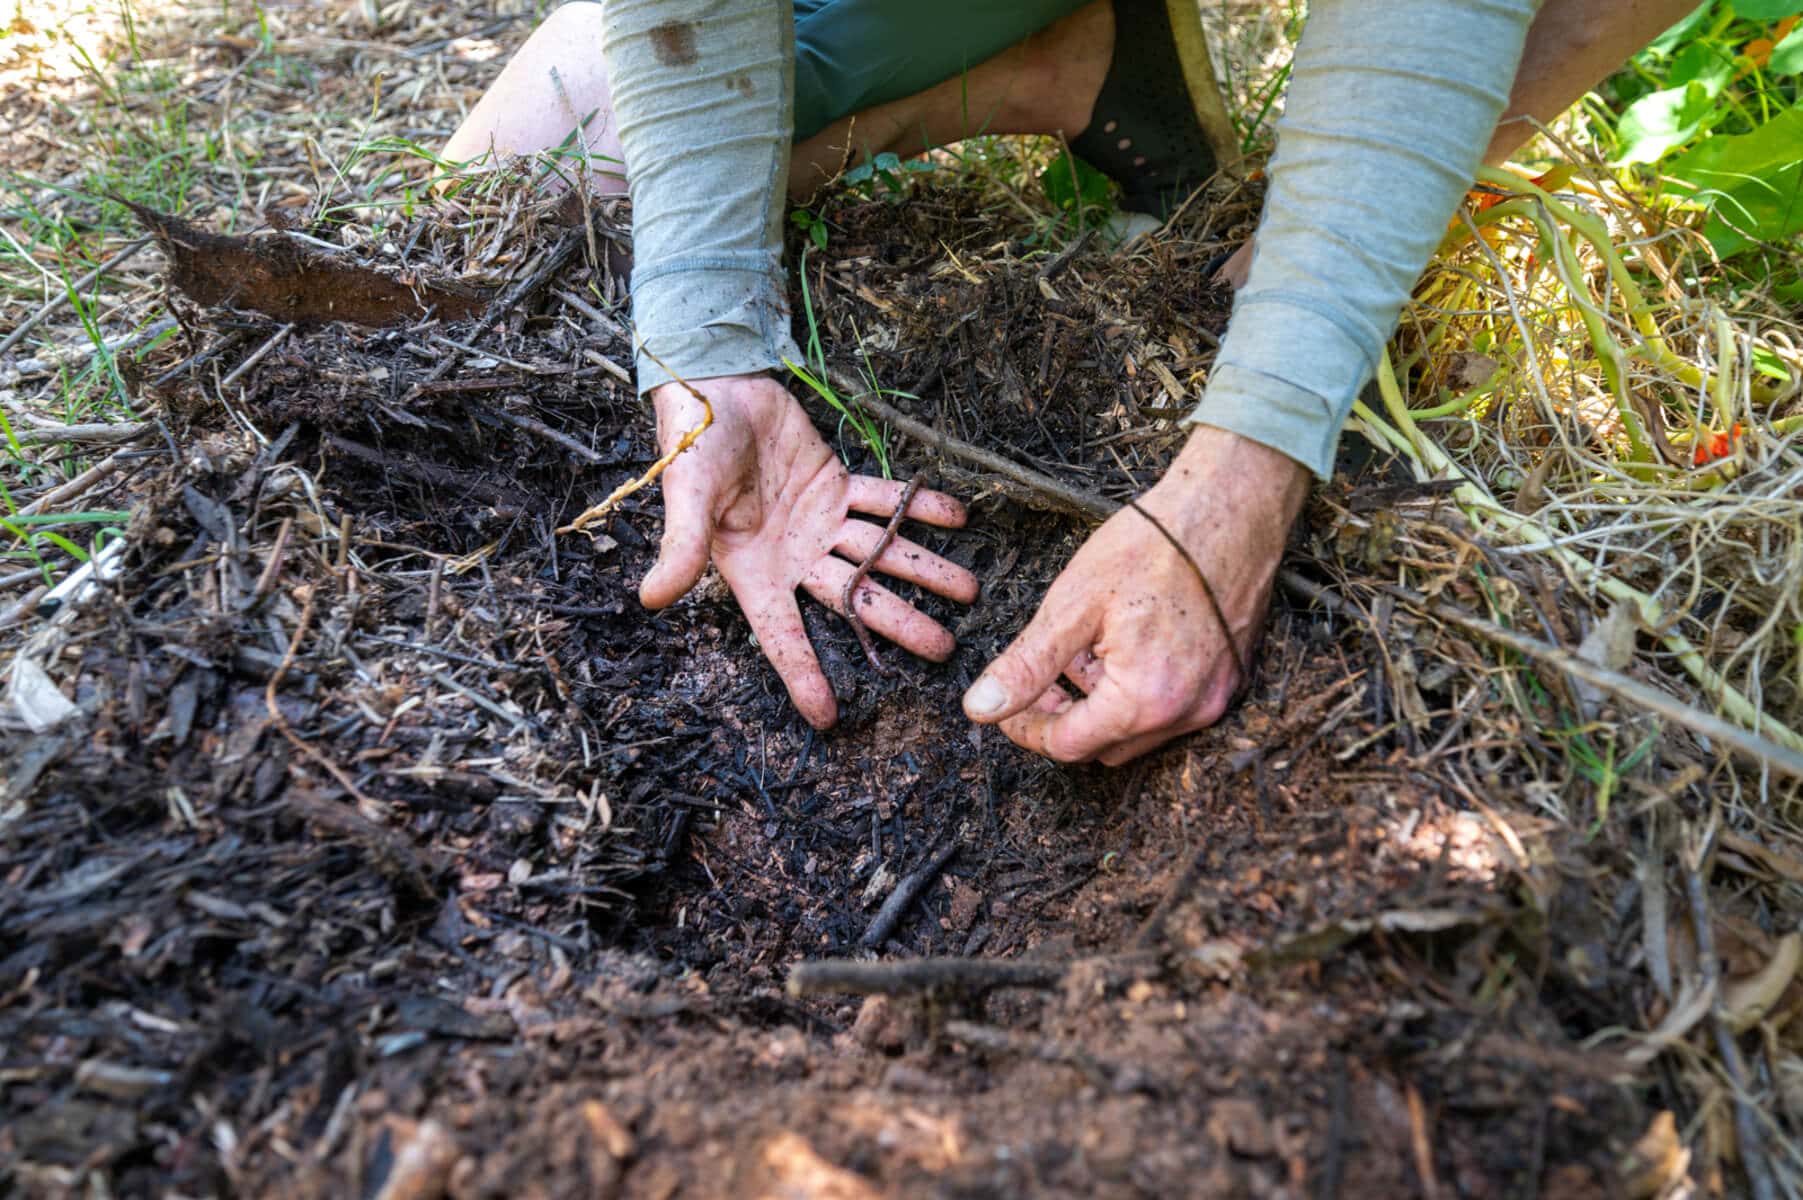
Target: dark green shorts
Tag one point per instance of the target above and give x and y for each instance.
(851, 55)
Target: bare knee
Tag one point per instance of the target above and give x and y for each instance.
(581, 18)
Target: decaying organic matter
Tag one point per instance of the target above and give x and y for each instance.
(380, 843)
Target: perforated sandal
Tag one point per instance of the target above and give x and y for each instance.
(1158, 127)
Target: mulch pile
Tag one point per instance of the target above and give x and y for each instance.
(390, 848)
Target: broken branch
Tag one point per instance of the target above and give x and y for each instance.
(601, 510)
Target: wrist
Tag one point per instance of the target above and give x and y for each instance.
(1223, 476)
(726, 393)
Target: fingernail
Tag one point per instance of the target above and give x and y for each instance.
(985, 698)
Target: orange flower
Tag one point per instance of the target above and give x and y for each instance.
(1759, 50)
(1716, 445)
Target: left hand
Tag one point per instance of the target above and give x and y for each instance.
(1128, 623)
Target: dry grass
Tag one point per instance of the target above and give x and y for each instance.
(1574, 521)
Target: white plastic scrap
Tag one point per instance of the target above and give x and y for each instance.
(34, 696)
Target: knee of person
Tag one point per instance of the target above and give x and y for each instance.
(578, 18)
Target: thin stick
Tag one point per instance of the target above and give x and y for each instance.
(1624, 687)
(37, 318)
(55, 360)
(863, 569)
(534, 426)
(97, 432)
(554, 261)
(1064, 495)
(911, 976)
(1746, 1118)
(281, 722)
(910, 887)
(76, 486)
(256, 356)
(657, 468)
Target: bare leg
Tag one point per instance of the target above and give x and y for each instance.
(1572, 46)
(554, 83)
(1047, 84)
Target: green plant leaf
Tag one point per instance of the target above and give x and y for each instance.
(1680, 33)
(1767, 363)
(1787, 55)
(1767, 10)
(1752, 183)
(1705, 63)
(1663, 120)
(1071, 183)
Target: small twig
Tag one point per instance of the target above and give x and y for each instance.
(611, 324)
(534, 426)
(103, 433)
(256, 356)
(76, 486)
(1422, 1148)
(854, 392)
(1746, 1117)
(516, 722)
(1152, 932)
(273, 567)
(50, 308)
(1623, 687)
(56, 360)
(905, 893)
(1056, 265)
(912, 976)
(555, 260)
(281, 722)
(601, 510)
(863, 569)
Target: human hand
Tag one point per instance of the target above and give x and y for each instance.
(762, 495)
(1129, 624)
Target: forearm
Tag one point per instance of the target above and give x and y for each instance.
(1390, 106)
(702, 93)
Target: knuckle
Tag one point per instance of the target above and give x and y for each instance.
(1214, 706)
(1164, 708)
(1059, 747)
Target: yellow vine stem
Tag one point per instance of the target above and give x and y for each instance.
(1485, 513)
(591, 515)
(1652, 346)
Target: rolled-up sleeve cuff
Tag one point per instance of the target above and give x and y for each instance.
(1286, 378)
(705, 320)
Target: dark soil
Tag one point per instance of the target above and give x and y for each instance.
(430, 861)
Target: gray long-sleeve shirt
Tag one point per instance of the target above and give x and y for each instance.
(1390, 106)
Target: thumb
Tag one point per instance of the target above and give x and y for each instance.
(1031, 664)
(683, 553)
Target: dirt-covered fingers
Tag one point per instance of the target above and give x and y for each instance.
(907, 560)
(776, 622)
(878, 498)
(1079, 731)
(880, 609)
(1085, 671)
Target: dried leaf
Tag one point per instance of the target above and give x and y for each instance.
(1694, 1000)
(1658, 1162)
(275, 275)
(1610, 643)
(1747, 1001)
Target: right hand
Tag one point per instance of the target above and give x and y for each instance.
(762, 495)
